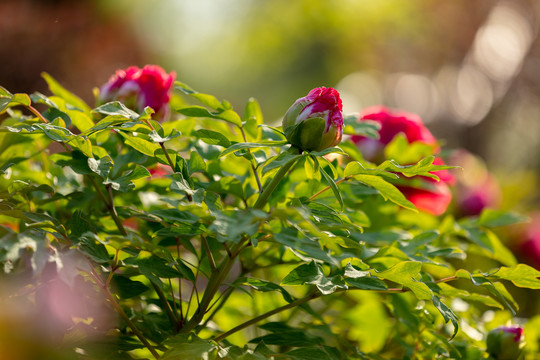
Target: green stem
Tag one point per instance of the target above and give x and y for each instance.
(259, 185)
(112, 210)
(270, 187)
(166, 306)
(209, 254)
(328, 188)
(268, 314)
(121, 312)
(212, 288)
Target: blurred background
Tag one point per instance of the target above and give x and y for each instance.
(470, 69)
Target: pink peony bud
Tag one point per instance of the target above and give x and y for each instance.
(138, 88)
(430, 196)
(505, 342)
(315, 122)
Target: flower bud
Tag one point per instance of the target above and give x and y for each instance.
(315, 122)
(139, 88)
(505, 342)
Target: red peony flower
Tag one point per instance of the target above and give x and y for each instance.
(315, 122)
(430, 196)
(138, 88)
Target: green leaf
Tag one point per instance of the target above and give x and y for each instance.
(116, 108)
(252, 118)
(407, 273)
(520, 275)
(494, 218)
(56, 133)
(240, 146)
(312, 274)
(144, 146)
(159, 139)
(125, 182)
(282, 334)
(212, 137)
(333, 186)
(106, 123)
(90, 245)
(14, 100)
(423, 168)
(488, 240)
(403, 152)
(196, 163)
(82, 144)
(128, 288)
(199, 111)
(208, 100)
(189, 346)
(61, 92)
(102, 167)
(313, 353)
(387, 190)
(496, 289)
(351, 126)
(264, 286)
(279, 161)
(447, 314)
(355, 168)
(182, 228)
(154, 267)
(77, 161)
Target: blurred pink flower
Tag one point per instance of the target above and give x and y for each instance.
(429, 196)
(476, 189)
(138, 88)
(315, 121)
(393, 123)
(529, 249)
